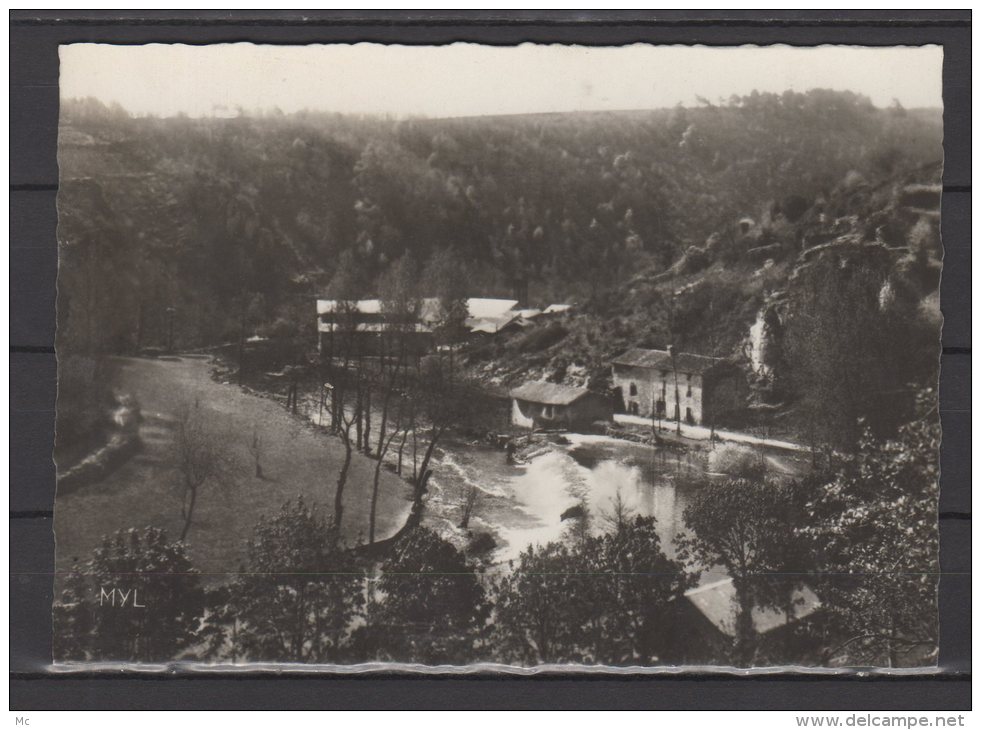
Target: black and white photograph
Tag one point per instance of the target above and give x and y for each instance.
(522, 358)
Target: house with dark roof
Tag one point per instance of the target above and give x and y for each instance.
(678, 386)
(551, 405)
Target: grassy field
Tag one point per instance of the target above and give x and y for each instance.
(296, 460)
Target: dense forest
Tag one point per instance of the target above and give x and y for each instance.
(216, 217)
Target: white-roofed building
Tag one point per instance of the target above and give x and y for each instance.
(367, 318)
(481, 307)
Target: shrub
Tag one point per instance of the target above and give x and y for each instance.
(431, 605)
(298, 597)
(610, 599)
(137, 599)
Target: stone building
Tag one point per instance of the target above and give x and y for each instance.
(550, 405)
(678, 386)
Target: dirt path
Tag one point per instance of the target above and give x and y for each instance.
(296, 460)
(702, 433)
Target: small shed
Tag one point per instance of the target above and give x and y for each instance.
(709, 619)
(551, 405)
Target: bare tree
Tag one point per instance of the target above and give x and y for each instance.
(348, 418)
(410, 425)
(255, 448)
(199, 457)
(400, 305)
(445, 404)
(384, 443)
(345, 350)
(293, 389)
(470, 494)
(619, 514)
(385, 435)
(366, 417)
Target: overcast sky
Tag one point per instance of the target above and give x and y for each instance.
(467, 79)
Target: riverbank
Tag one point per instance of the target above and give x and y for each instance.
(670, 430)
(297, 460)
(523, 483)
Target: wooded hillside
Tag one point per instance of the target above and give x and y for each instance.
(235, 223)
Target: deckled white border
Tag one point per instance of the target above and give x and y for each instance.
(488, 667)
(477, 668)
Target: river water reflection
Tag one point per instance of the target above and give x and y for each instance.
(522, 505)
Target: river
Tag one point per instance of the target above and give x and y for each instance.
(522, 504)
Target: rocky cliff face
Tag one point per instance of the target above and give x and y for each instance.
(736, 296)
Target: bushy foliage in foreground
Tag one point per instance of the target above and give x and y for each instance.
(430, 605)
(137, 599)
(863, 538)
(742, 525)
(610, 599)
(874, 527)
(295, 598)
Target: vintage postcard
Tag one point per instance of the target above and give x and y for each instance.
(499, 357)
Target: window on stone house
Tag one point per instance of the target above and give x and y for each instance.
(688, 394)
(633, 389)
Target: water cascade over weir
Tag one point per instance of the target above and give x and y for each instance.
(763, 339)
(757, 344)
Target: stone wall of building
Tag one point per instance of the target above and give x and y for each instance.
(642, 388)
(523, 413)
(580, 414)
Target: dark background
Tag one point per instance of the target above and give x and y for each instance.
(34, 40)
